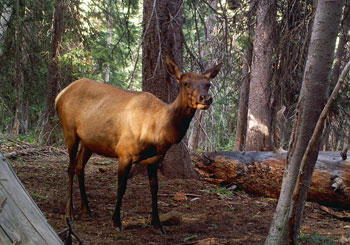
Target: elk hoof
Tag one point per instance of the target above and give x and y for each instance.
(159, 231)
(158, 228)
(117, 227)
(69, 218)
(86, 213)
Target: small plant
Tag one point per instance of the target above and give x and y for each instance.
(115, 184)
(38, 196)
(223, 192)
(31, 138)
(190, 238)
(315, 239)
(214, 225)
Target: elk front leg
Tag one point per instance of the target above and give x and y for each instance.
(83, 156)
(69, 205)
(153, 181)
(72, 145)
(124, 167)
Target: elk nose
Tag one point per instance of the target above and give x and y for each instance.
(206, 99)
(209, 100)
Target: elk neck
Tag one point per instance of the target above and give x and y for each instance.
(180, 116)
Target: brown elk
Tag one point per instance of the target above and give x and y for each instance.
(135, 127)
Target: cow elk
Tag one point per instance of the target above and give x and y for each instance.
(135, 127)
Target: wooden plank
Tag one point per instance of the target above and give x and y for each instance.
(4, 237)
(21, 220)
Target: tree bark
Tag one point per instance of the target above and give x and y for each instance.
(326, 134)
(17, 126)
(109, 39)
(344, 152)
(5, 16)
(343, 38)
(162, 21)
(307, 166)
(57, 32)
(241, 128)
(312, 98)
(259, 114)
(197, 129)
(193, 141)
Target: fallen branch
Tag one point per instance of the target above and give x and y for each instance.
(15, 154)
(345, 216)
(66, 235)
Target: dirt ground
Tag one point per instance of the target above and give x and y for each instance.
(209, 214)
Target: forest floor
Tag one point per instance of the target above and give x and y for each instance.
(209, 214)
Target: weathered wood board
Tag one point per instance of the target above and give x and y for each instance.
(21, 221)
(261, 173)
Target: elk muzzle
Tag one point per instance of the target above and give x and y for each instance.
(204, 102)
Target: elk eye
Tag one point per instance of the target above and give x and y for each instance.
(185, 84)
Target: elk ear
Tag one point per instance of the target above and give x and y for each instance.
(173, 68)
(212, 72)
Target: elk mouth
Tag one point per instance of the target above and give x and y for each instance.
(204, 103)
(204, 106)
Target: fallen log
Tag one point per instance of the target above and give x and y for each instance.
(261, 173)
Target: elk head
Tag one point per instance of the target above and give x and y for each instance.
(194, 86)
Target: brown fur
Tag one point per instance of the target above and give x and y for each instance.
(135, 127)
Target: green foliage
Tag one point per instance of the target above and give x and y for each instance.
(190, 238)
(223, 192)
(315, 239)
(84, 51)
(101, 34)
(38, 196)
(213, 36)
(31, 137)
(104, 33)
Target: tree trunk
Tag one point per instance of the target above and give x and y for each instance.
(5, 16)
(162, 21)
(339, 56)
(259, 113)
(241, 128)
(17, 126)
(57, 32)
(109, 39)
(331, 140)
(326, 133)
(193, 141)
(344, 152)
(312, 98)
(197, 129)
